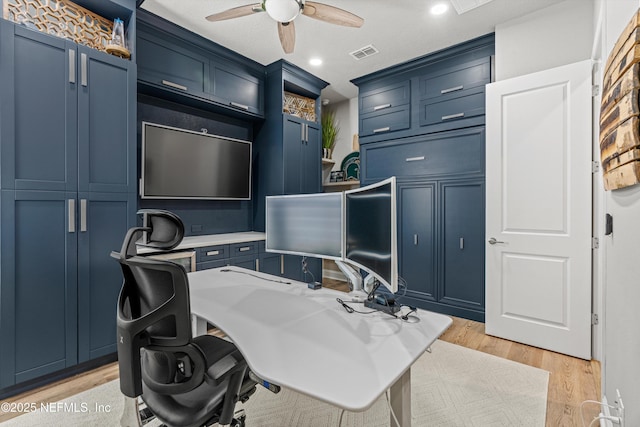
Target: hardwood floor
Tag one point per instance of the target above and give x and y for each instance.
(571, 381)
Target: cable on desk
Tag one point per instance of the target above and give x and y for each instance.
(228, 270)
(350, 309)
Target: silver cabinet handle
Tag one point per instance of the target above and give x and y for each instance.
(462, 243)
(212, 253)
(415, 239)
(451, 89)
(245, 248)
(302, 133)
(414, 159)
(493, 241)
(237, 105)
(282, 264)
(83, 215)
(384, 129)
(72, 66)
(174, 85)
(381, 107)
(453, 116)
(83, 69)
(71, 203)
(306, 133)
(257, 264)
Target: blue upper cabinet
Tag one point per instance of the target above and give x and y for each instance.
(440, 91)
(39, 110)
(107, 159)
(178, 65)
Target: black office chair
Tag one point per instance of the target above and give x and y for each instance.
(184, 381)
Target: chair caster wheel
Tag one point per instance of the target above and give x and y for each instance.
(239, 419)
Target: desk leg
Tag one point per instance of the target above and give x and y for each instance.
(198, 326)
(401, 400)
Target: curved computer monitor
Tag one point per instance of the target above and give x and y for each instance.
(305, 224)
(371, 231)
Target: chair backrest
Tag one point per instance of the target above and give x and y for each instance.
(153, 310)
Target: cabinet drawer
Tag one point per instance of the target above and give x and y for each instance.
(210, 253)
(242, 249)
(452, 110)
(170, 66)
(385, 97)
(388, 120)
(462, 78)
(453, 152)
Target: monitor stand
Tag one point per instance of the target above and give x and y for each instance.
(361, 291)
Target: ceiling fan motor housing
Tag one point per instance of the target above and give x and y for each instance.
(283, 11)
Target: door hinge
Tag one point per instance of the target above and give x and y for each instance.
(595, 166)
(595, 90)
(594, 319)
(595, 243)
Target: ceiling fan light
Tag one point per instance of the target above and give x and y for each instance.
(282, 10)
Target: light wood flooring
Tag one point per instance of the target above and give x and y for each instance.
(572, 381)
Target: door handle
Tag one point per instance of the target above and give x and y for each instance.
(83, 215)
(83, 69)
(72, 66)
(71, 204)
(493, 241)
(174, 85)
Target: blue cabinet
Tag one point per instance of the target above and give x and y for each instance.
(178, 65)
(441, 245)
(302, 143)
(435, 146)
(68, 149)
(417, 233)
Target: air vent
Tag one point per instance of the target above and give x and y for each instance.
(463, 6)
(363, 52)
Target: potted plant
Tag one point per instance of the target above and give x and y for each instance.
(330, 131)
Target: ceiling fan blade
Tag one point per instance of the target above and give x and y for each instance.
(235, 12)
(287, 34)
(331, 14)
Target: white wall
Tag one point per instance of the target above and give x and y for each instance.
(621, 359)
(347, 117)
(554, 36)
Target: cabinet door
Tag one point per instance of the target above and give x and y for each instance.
(39, 110)
(171, 64)
(292, 154)
(463, 244)
(271, 263)
(311, 161)
(38, 327)
(418, 238)
(248, 262)
(106, 123)
(237, 88)
(103, 220)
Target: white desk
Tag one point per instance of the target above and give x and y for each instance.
(306, 341)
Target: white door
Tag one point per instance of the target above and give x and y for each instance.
(538, 226)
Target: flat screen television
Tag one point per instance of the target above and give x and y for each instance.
(305, 224)
(371, 231)
(182, 164)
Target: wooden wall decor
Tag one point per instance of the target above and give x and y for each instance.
(620, 111)
(61, 18)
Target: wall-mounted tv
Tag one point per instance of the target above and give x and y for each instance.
(182, 164)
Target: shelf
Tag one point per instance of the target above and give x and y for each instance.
(328, 161)
(341, 184)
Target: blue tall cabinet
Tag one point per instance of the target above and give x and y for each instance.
(288, 151)
(423, 122)
(68, 195)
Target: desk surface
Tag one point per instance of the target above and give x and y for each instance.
(306, 341)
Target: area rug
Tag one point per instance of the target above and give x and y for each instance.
(451, 386)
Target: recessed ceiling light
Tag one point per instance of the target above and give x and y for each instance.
(439, 8)
(315, 61)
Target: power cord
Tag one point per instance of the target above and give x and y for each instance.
(228, 270)
(604, 417)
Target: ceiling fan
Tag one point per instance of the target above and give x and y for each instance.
(285, 11)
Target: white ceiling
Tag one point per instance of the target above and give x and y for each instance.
(400, 29)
